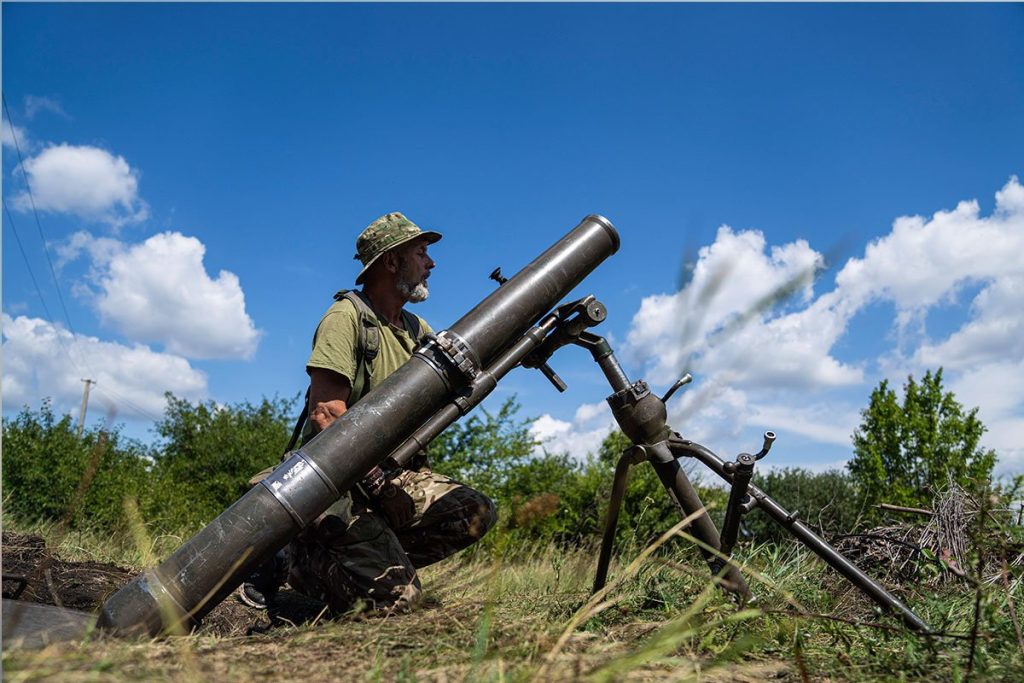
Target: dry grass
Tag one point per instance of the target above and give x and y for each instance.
(528, 616)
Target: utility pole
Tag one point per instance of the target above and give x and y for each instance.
(85, 404)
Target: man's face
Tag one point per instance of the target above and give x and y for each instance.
(414, 266)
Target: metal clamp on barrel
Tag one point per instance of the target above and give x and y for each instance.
(293, 484)
(449, 349)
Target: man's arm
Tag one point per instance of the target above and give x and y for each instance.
(329, 392)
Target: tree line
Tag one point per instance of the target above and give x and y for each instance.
(205, 454)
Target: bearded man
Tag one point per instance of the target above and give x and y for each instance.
(365, 549)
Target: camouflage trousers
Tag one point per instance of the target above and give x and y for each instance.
(350, 555)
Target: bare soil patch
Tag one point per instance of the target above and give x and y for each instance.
(32, 572)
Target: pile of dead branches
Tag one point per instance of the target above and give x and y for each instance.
(939, 545)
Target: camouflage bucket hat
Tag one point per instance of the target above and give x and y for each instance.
(387, 232)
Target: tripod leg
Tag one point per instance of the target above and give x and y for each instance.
(612, 520)
(811, 540)
(838, 561)
(676, 482)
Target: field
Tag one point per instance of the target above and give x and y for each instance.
(525, 613)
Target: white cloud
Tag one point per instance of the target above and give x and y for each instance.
(715, 321)
(558, 436)
(996, 389)
(712, 411)
(776, 368)
(588, 412)
(10, 133)
(43, 360)
(820, 423)
(994, 332)
(582, 436)
(37, 103)
(84, 181)
(159, 291)
(923, 262)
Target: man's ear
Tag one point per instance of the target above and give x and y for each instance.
(390, 261)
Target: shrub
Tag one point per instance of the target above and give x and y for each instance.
(209, 453)
(50, 474)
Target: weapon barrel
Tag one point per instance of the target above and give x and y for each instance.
(208, 567)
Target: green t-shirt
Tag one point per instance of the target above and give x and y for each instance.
(336, 344)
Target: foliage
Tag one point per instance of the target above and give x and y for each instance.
(826, 501)
(495, 453)
(203, 465)
(49, 473)
(903, 453)
(208, 454)
(503, 615)
(487, 451)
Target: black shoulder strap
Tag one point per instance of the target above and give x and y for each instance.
(368, 348)
(412, 323)
(299, 424)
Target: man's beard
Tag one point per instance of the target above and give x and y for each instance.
(414, 292)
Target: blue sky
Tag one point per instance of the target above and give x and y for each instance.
(201, 172)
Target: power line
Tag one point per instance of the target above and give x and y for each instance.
(39, 291)
(39, 225)
(53, 273)
(24, 256)
(134, 406)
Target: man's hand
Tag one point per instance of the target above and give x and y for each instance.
(328, 397)
(326, 412)
(389, 498)
(396, 505)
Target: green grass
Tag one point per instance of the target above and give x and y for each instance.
(525, 613)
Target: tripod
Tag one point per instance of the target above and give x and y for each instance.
(642, 417)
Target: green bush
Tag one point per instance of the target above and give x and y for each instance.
(905, 453)
(50, 474)
(825, 501)
(208, 454)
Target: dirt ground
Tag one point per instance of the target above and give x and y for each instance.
(85, 586)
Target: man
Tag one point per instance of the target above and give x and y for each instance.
(365, 548)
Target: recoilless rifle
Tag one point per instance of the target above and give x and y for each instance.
(518, 324)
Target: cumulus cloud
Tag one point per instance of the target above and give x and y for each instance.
(775, 365)
(820, 423)
(87, 182)
(923, 262)
(41, 359)
(994, 332)
(716, 321)
(591, 424)
(159, 291)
